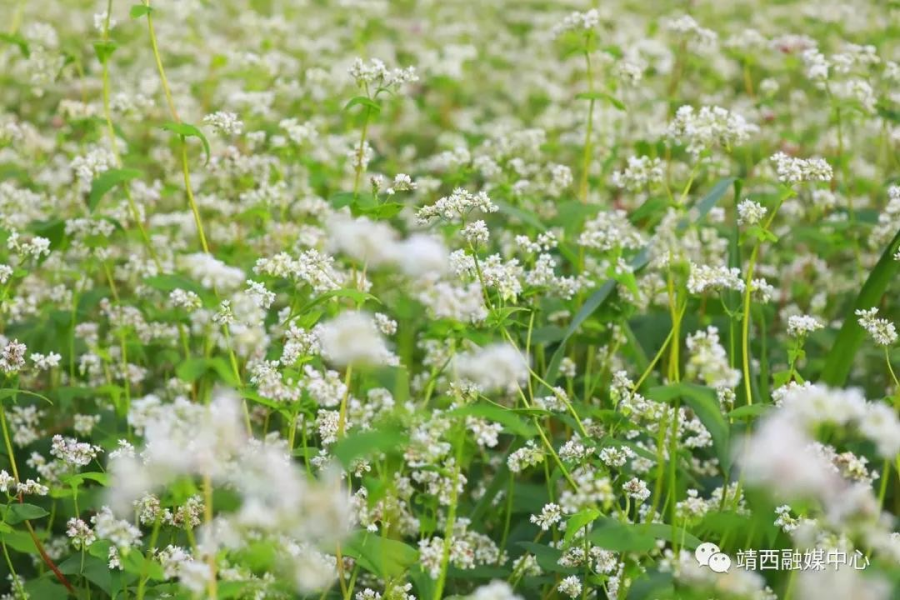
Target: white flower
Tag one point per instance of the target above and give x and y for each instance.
(225, 123)
(881, 331)
(710, 127)
(495, 590)
(494, 367)
(372, 243)
(750, 212)
(550, 515)
(704, 277)
(570, 586)
(353, 338)
(801, 325)
(795, 170)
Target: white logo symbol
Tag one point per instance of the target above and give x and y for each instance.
(720, 563)
(709, 555)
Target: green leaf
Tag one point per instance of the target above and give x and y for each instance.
(24, 512)
(621, 537)
(365, 443)
(705, 404)
(193, 369)
(523, 215)
(104, 49)
(702, 208)
(547, 557)
(17, 40)
(388, 210)
(638, 262)
(602, 96)
(11, 392)
(511, 422)
(381, 556)
(840, 359)
(750, 411)
(363, 101)
(579, 521)
(186, 130)
(140, 10)
(79, 478)
(106, 181)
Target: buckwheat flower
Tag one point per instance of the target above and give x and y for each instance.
(476, 233)
(802, 325)
(122, 534)
(45, 362)
(816, 66)
(610, 230)
(25, 422)
(842, 583)
(709, 361)
(12, 357)
(637, 489)
(880, 424)
(5, 273)
(750, 212)
(881, 331)
(526, 456)
(495, 367)
(299, 133)
(224, 123)
(550, 515)
(641, 172)
(353, 338)
(73, 452)
(80, 533)
(32, 487)
(484, 431)
(84, 424)
(422, 254)
(148, 509)
(570, 586)
(262, 297)
(686, 26)
(299, 342)
(703, 278)
(376, 73)
(401, 183)
(560, 179)
(630, 72)
(173, 558)
(779, 456)
(7, 481)
(89, 166)
(573, 451)
(225, 315)
(761, 290)
(373, 243)
(495, 590)
(34, 248)
(796, 170)
(123, 450)
(616, 456)
(456, 207)
(578, 21)
(708, 128)
(187, 300)
(385, 324)
(100, 22)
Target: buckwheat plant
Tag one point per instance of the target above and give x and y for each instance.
(371, 300)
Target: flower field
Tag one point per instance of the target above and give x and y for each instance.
(419, 299)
